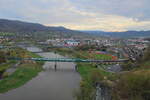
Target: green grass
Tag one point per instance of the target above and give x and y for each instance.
(87, 55)
(33, 54)
(102, 56)
(86, 69)
(7, 65)
(3, 67)
(6, 34)
(22, 75)
(146, 64)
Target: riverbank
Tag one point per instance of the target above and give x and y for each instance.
(89, 72)
(6, 65)
(132, 83)
(49, 83)
(24, 72)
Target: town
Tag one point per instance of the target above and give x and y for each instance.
(74, 50)
(106, 53)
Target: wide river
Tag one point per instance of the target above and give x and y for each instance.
(49, 84)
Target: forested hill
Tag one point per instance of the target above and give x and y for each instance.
(29, 28)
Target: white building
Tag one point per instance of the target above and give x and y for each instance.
(72, 43)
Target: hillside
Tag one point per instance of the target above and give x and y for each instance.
(23, 28)
(134, 84)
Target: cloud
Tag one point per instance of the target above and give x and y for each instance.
(107, 15)
(130, 8)
(108, 23)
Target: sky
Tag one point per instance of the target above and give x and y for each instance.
(104, 15)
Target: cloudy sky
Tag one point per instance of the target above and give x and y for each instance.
(106, 15)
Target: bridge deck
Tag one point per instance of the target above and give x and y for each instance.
(68, 60)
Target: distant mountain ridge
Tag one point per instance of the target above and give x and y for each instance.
(126, 34)
(21, 27)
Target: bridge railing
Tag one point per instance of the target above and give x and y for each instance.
(68, 60)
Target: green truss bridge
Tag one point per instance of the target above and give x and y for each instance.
(70, 60)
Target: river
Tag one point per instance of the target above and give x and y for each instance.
(49, 84)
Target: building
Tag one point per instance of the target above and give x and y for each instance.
(72, 43)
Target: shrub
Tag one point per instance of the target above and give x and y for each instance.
(146, 56)
(133, 86)
(5, 74)
(96, 76)
(2, 57)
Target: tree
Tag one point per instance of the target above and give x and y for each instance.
(2, 57)
(146, 56)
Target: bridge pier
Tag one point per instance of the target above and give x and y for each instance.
(76, 68)
(96, 66)
(55, 62)
(55, 66)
